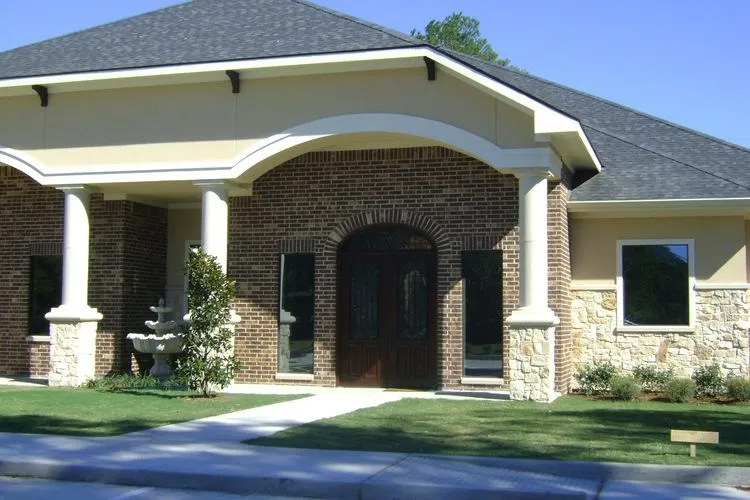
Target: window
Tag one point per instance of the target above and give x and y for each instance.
(483, 313)
(296, 313)
(655, 284)
(45, 291)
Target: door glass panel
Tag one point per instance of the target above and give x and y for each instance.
(363, 300)
(386, 239)
(411, 284)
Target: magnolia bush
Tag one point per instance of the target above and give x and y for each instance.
(208, 362)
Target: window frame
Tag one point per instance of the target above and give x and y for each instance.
(290, 375)
(620, 287)
(481, 379)
(32, 286)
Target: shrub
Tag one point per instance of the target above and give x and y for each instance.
(595, 378)
(129, 382)
(679, 390)
(738, 388)
(708, 381)
(624, 388)
(652, 379)
(208, 361)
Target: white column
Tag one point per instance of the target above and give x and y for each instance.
(73, 325)
(215, 220)
(531, 345)
(532, 228)
(76, 248)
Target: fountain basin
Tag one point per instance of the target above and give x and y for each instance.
(169, 343)
(160, 347)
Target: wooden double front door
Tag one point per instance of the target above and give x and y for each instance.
(387, 313)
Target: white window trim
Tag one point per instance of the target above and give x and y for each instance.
(621, 327)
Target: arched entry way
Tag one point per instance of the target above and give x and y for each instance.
(387, 304)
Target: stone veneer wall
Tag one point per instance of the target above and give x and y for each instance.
(531, 364)
(721, 335)
(311, 203)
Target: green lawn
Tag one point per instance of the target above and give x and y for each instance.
(571, 428)
(87, 412)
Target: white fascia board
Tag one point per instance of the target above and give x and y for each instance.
(116, 78)
(660, 208)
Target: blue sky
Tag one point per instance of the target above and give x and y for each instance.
(683, 60)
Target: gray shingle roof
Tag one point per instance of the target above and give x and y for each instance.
(642, 157)
(202, 31)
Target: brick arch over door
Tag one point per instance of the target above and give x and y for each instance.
(327, 275)
(355, 223)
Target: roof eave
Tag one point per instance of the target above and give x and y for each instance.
(550, 125)
(694, 207)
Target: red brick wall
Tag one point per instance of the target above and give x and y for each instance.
(126, 275)
(31, 218)
(318, 198)
(559, 277)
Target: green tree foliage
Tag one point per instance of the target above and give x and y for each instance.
(460, 33)
(208, 361)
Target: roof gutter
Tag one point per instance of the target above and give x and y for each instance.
(660, 208)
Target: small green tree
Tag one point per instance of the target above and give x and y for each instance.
(461, 33)
(208, 361)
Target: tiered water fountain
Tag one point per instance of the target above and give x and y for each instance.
(161, 343)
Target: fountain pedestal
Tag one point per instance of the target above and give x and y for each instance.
(161, 343)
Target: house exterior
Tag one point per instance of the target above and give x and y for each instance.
(394, 214)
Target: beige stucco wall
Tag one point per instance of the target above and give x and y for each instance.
(183, 225)
(719, 245)
(207, 122)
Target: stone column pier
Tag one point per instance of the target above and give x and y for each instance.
(73, 324)
(531, 359)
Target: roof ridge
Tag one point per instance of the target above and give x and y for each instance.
(614, 104)
(181, 3)
(668, 157)
(401, 36)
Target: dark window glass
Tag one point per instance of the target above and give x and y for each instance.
(655, 284)
(483, 313)
(412, 300)
(363, 300)
(45, 292)
(386, 239)
(296, 313)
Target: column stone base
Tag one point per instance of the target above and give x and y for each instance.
(531, 355)
(72, 345)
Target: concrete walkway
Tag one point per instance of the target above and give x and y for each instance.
(207, 455)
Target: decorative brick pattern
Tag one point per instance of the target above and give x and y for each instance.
(721, 335)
